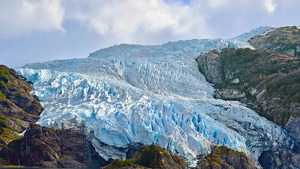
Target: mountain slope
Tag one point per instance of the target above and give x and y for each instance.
(131, 93)
(283, 40)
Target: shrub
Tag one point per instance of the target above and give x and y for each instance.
(3, 124)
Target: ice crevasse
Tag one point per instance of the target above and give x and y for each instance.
(132, 93)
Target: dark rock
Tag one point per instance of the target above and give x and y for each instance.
(133, 149)
(279, 157)
(69, 162)
(293, 127)
(75, 144)
(42, 146)
(5, 154)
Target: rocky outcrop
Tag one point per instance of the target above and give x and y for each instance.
(49, 148)
(283, 40)
(17, 107)
(265, 81)
(224, 157)
(152, 156)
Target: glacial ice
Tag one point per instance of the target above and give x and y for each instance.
(134, 93)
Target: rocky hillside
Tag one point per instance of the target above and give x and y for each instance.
(283, 40)
(17, 107)
(266, 81)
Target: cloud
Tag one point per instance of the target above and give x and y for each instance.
(24, 16)
(125, 18)
(215, 3)
(270, 6)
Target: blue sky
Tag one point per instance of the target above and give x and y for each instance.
(43, 30)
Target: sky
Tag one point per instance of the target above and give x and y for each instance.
(43, 30)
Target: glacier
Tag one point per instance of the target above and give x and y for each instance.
(128, 94)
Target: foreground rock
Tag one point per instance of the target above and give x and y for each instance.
(283, 40)
(49, 148)
(223, 157)
(152, 156)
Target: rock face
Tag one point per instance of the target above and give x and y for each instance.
(264, 80)
(46, 147)
(283, 40)
(223, 157)
(17, 107)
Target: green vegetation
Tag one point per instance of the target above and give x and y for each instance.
(4, 73)
(3, 87)
(122, 163)
(148, 156)
(3, 124)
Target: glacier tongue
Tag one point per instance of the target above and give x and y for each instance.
(145, 94)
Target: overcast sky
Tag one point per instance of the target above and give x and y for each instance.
(43, 30)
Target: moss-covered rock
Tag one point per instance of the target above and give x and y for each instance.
(17, 107)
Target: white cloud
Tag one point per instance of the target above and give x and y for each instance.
(216, 3)
(124, 18)
(24, 16)
(270, 5)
